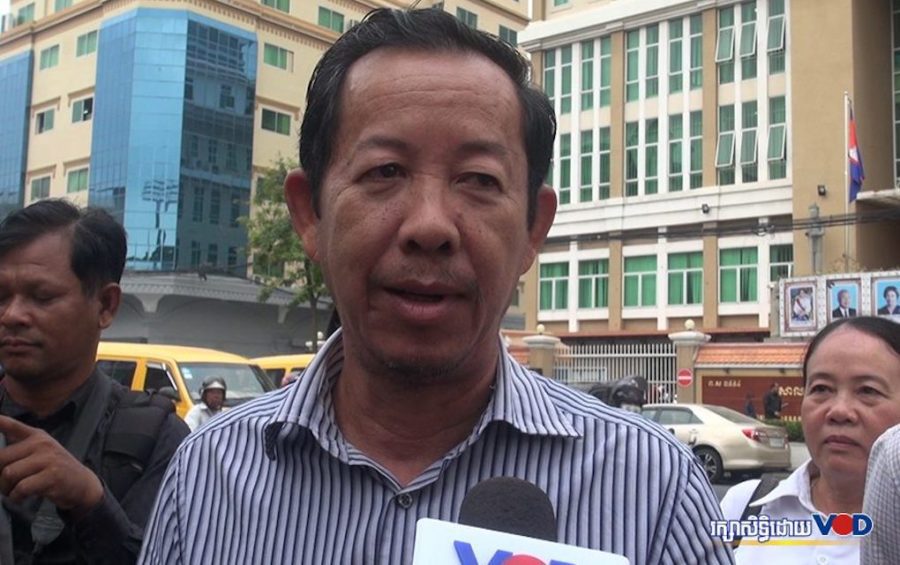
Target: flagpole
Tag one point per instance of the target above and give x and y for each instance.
(846, 182)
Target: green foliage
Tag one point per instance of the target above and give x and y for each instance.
(279, 260)
(793, 428)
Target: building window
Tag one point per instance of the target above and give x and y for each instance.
(226, 97)
(59, 5)
(676, 150)
(197, 211)
(554, 286)
(632, 52)
(276, 121)
(593, 283)
(467, 17)
(235, 210)
(605, 72)
(725, 45)
(777, 152)
(86, 44)
(725, 145)
(676, 66)
(587, 75)
(565, 168)
(748, 40)
(49, 57)
(331, 19)
(696, 51)
(283, 5)
(230, 157)
(25, 14)
(278, 57)
(686, 278)
(212, 254)
(232, 258)
(640, 281)
(77, 180)
(781, 262)
(603, 153)
(749, 119)
(565, 97)
(43, 121)
(40, 188)
(651, 156)
(215, 204)
(587, 176)
(82, 110)
(631, 158)
(651, 63)
(550, 75)
(560, 3)
(696, 149)
(775, 37)
(737, 275)
(510, 36)
(195, 254)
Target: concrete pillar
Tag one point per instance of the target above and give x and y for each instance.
(542, 351)
(687, 343)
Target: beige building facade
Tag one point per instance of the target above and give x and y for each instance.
(698, 142)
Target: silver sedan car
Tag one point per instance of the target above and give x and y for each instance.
(723, 439)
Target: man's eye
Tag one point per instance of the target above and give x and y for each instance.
(481, 180)
(389, 171)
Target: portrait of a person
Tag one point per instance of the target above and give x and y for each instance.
(802, 308)
(891, 307)
(844, 308)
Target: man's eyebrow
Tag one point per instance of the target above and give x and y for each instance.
(481, 147)
(381, 142)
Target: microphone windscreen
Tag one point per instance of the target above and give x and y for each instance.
(511, 505)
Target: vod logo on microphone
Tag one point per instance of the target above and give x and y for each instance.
(501, 557)
(855, 525)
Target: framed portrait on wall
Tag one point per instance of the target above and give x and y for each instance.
(886, 296)
(800, 306)
(844, 299)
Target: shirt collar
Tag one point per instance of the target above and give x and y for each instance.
(519, 399)
(796, 486)
(67, 411)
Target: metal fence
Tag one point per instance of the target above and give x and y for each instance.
(584, 365)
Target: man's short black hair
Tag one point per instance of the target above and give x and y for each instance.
(889, 289)
(422, 30)
(98, 241)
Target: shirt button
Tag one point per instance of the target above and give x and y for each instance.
(822, 560)
(405, 500)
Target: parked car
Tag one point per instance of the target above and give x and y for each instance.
(178, 371)
(279, 366)
(723, 439)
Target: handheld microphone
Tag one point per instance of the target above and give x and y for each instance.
(503, 521)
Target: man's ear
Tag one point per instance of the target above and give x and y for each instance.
(545, 212)
(110, 297)
(299, 198)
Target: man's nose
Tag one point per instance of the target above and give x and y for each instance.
(14, 312)
(430, 223)
(843, 409)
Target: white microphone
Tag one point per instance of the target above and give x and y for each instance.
(504, 521)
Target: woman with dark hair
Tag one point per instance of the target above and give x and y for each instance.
(851, 379)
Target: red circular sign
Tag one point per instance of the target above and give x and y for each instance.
(685, 377)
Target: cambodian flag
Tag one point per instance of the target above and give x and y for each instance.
(857, 176)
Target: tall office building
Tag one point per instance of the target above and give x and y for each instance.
(698, 141)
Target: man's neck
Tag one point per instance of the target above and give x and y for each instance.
(837, 496)
(407, 428)
(45, 397)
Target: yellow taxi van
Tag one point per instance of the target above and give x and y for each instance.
(179, 371)
(279, 366)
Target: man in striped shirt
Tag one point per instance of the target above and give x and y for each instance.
(424, 150)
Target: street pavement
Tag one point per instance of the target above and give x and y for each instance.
(799, 455)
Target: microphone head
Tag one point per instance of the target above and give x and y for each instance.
(511, 505)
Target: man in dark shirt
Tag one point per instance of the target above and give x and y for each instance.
(772, 402)
(68, 456)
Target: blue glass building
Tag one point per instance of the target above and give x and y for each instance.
(171, 154)
(15, 102)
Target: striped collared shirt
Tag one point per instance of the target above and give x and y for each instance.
(274, 481)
